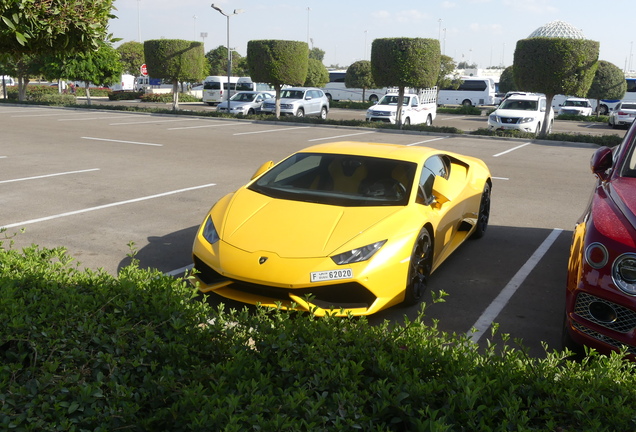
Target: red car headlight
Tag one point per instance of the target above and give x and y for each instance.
(596, 255)
(624, 273)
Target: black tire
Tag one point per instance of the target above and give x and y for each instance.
(420, 267)
(429, 121)
(538, 130)
(604, 110)
(407, 122)
(467, 103)
(300, 112)
(250, 111)
(484, 213)
(323, 113)
(568, 343)
(373, 98)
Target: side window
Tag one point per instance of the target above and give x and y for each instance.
(425, 190)
(438, 165)
(434, 166)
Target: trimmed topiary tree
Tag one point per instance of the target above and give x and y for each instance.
(175, 60)
(359, 76)
(405, 62)
(555, 66)
(608, 83)
(278, 62)
(317, 74)
(507, 80)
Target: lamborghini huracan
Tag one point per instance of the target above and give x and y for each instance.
(342, 228)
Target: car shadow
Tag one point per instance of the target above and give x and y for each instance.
(473, 276)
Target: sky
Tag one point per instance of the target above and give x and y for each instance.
(484, 32)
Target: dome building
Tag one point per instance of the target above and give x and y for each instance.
(557, 29)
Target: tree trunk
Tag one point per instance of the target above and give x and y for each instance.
(398, 115)
(175, 95)
(277, 110)
(546, 118)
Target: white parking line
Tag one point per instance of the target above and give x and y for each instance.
(101, 207)
(179, 270)
(50, 114)
(341, 136)
(96, 118)
(425, 141)
(152, 121)
(202, 126)
(47, 175)
(497, 305)
(511, 150)
(271, 130)
(124, 142)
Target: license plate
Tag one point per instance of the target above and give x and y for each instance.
(330, 275)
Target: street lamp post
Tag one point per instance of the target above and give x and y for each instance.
(229, 53)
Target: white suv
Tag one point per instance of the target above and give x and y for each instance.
(521, 112)
(299, 102)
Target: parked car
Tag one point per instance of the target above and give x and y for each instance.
(416, 108)
(600, 308)
(521, 112)
(576, 106)
(350, 227)
(245, 102)
(299, 102)
(622, 115)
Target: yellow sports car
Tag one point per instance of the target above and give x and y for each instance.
(341, 228)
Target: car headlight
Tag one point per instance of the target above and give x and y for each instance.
(359, 254)
(526, 120)
(209, 231)
(624, 273)
(493, 118)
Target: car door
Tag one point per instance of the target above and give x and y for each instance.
(445, 216)
(312, 100)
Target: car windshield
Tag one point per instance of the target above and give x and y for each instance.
(292, 94)
(576, 103)
(338, 179)
(392, 100)
(243, 97)
(515, 104)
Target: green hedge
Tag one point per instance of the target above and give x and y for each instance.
(81, 350)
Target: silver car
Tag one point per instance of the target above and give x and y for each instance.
(622, 115)
(299, 102)
(245, 102)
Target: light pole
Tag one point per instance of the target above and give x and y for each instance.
(229, 53)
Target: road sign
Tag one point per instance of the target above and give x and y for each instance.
(144, 70)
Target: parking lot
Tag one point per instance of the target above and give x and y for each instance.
(94, 181)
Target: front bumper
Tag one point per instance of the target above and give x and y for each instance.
(602, 324)
(286, 283)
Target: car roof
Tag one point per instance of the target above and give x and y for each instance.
(531, 97)
(381, 150)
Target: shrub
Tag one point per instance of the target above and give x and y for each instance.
(124, 95)
(83, 350)
(167, 97)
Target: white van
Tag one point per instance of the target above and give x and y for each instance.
(246, 84)
(473, 91)
(215, 89)
(8, 81)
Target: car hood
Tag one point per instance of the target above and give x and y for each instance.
(234, 104)
(295, 229)
(517, 113)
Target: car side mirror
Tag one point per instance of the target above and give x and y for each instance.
(442, 190)
(266, 166)
(601, 161)
(308, 98)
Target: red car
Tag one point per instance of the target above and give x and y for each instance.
(600, 307)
